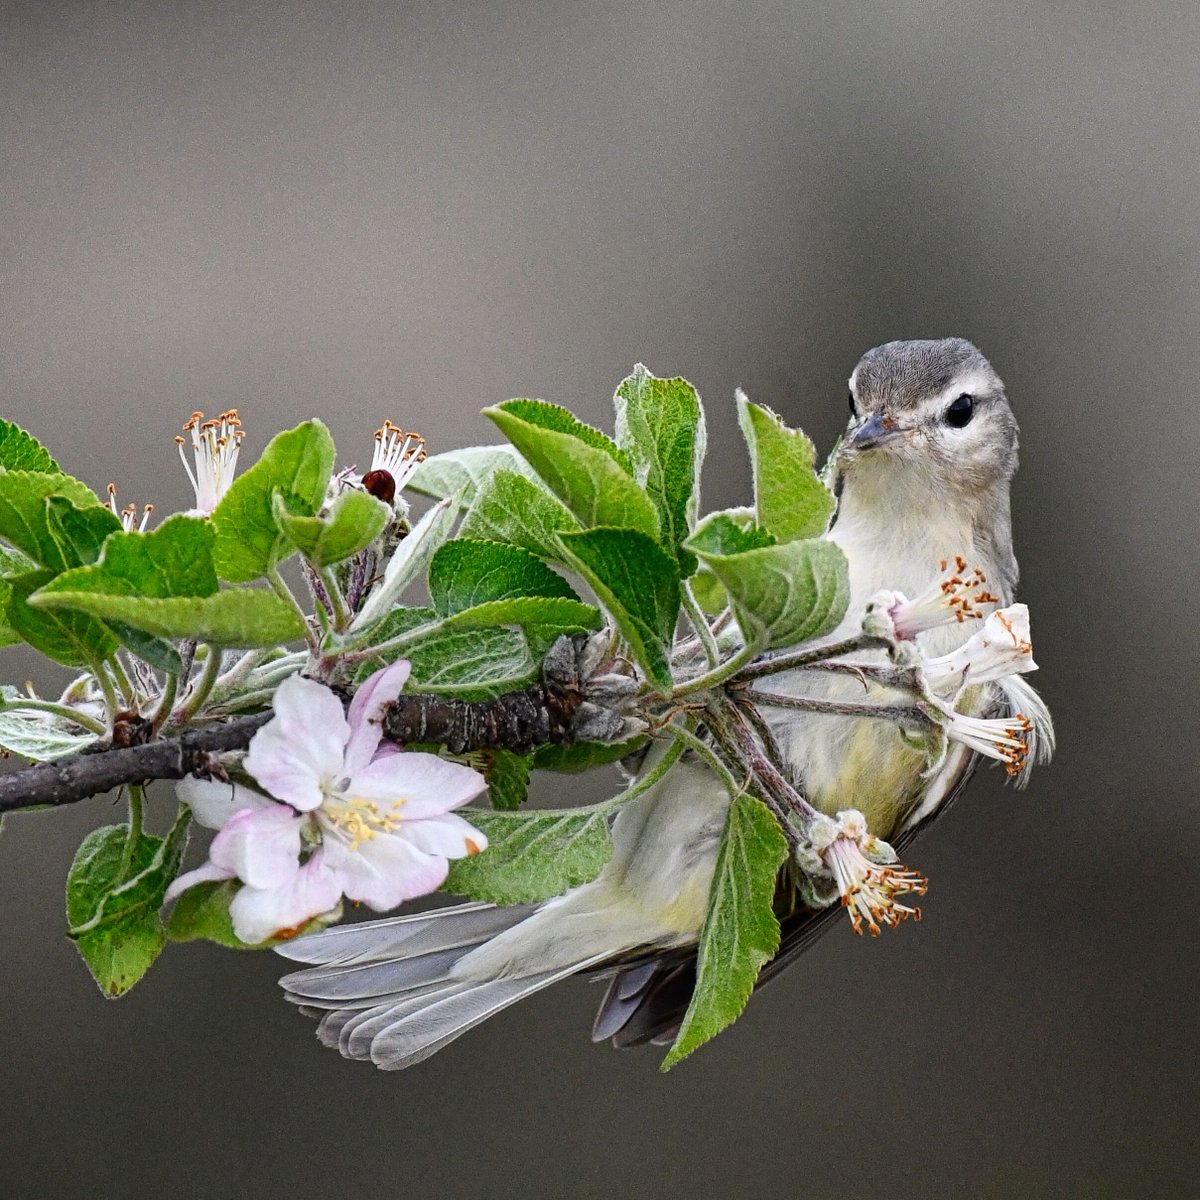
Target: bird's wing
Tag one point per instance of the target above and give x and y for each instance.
(647, 997)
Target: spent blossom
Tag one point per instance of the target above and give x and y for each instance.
(396, 456)
(957, 596)
(1005, 739)
(864, 869)
(344, 816)
(1001, 648)
(215, 445)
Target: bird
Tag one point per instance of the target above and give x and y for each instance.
(922, 478)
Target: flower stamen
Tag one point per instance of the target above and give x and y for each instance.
(865, 870)
(958, 596)
(128, 516)
(215, 445)
(396, 456)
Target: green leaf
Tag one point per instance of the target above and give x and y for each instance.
(241, 617)
(638, 582)
(709, 593)
(25, 514)
(202, 914)
(722, 533)
(71, 638)
(79, 532)
(740, 930)
(13, 562)
(583, 756)
(297, 464)
(113, 914)
(472, 664)
(174, 560)
(660, 424)
(158, 652)
(21, 451)
(780, 594)
(408, 562)
(531, 855)
(585, 470)
(508, 779)
(792, 502)
(354, 522)
(39, 736)
(513, 508)
(461, 474)
(548, 615)
(467, 572)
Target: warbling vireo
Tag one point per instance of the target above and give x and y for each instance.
(924, 473)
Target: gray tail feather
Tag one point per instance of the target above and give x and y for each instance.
(396, 938)
(385, 990)
(397, 1035)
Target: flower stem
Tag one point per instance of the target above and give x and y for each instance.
(340, 612)
(805, 658)
(166, 701)
(844, 708)
(684, 734)
(123, 681)
(729, 728)
(718, 675)
(700, 623)
(105, 683)
(200, 692)
(285, 593)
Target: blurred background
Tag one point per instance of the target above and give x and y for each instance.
(411, 210)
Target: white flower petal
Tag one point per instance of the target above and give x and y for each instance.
(213, 803)
(427, 784)
(206, 873)
(260, 846)
(448, 835)
(262, 913)
(302, 746)
(384, 871)
(366, 710)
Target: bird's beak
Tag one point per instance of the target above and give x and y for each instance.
(876, 430)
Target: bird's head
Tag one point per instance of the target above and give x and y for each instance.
(928, 415)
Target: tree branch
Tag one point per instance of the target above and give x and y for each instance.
(538, 715)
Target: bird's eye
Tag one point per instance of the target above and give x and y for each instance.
(960, 411)
(853, 409)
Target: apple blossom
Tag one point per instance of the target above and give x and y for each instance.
(863, 868)
(343, 816)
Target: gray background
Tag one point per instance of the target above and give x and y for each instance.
(413, 210)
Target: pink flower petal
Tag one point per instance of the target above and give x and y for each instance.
(213, 803)
(262, 913)
(448, 835)
(428, 785)
(260, 846)
(366, 710)
(385, 871)
(302, 746)
(205, 873)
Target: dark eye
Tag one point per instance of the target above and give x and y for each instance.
(853, 410)
(960, 411)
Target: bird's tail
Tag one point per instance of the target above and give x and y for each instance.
(396, 991)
